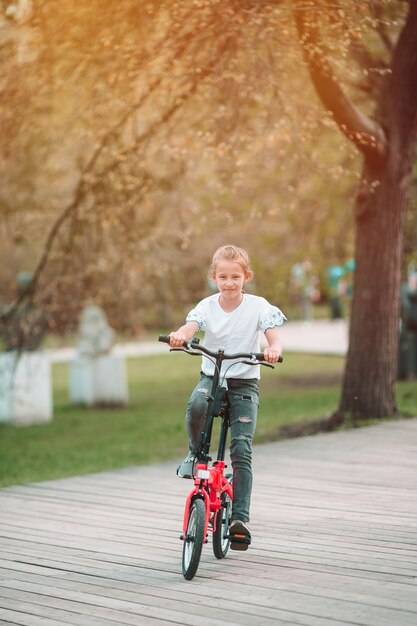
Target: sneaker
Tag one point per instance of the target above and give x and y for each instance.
(186, 469)
(239, 534)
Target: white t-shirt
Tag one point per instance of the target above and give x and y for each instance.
(234, 332)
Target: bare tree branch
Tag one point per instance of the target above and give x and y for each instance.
(367, 135)
(381, 29)
(86, 183)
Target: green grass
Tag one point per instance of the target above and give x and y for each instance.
(80, 441)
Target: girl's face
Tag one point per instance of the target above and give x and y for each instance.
(230, 278)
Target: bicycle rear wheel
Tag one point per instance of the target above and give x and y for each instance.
(194, 539)
(224, 514)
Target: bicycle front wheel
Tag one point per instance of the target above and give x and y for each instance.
(194, 539)
(220, 543)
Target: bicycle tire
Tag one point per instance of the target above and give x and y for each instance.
(223, 519)
(194, 539)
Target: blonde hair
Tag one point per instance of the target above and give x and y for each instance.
(231, 253)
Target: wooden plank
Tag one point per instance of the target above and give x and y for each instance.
(286, 553)
(31, 613)
(231, 592)
(180, 612)
(93, 602)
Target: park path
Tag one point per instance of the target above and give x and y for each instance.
(334, 521)
(316, 337)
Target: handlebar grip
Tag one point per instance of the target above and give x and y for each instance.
(166, 339)
(260, 357)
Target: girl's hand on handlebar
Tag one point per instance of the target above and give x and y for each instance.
(271, 355)
(176, 340)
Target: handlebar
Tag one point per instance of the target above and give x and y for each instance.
(194, 345)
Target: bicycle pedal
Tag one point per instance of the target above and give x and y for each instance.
(239, 541)
(239, 538)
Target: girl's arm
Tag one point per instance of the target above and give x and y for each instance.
(274, 349)
(185, 333)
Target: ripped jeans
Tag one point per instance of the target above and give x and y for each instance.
(244, 401)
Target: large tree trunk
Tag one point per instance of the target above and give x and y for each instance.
(371, 368)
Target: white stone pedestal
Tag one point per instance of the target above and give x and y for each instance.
(25, 388)
(99, 380)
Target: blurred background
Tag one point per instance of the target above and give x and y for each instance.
(139, 136)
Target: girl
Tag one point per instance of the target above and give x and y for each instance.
(231, 320)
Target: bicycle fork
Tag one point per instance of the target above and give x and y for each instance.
(208, 486)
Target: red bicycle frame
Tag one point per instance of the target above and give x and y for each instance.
(209, 484)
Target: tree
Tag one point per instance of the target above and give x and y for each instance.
(112, 82)
(154, 97)
(131, 107)
(387, 140)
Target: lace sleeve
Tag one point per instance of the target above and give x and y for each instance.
(197, 316)
(272, 316)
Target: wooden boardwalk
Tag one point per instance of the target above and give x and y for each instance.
(334, 521)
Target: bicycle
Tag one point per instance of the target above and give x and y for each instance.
(208, 506)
